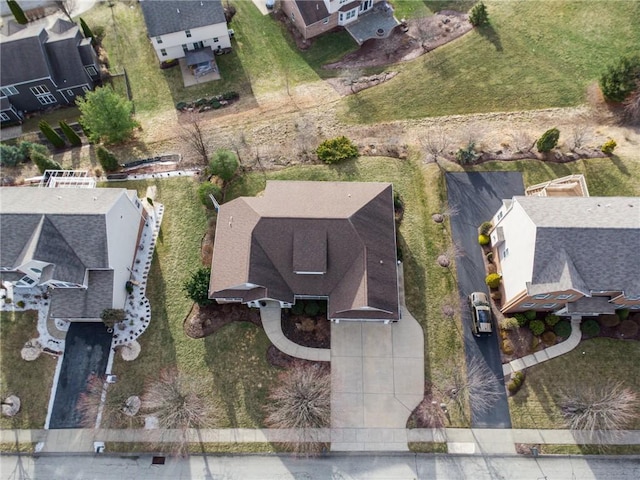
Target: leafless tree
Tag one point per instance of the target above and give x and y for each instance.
(306, 137)
(431, 412)
(179, 402)
(578, 137)
(66, 6)
(445, 211)
(100, 398)
(435, 143)
(193, 135)
(600, 410)
(632, 105)
(302, 401)
(477, 385)
(351, 77)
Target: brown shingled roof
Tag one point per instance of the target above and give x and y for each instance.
(344, 229)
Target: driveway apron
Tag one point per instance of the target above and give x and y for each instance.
(477, 196)
(86, 352)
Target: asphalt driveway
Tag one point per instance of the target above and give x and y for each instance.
(86, 351)
(477, 196)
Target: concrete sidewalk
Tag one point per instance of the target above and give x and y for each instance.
(459, 440)
(554, 351)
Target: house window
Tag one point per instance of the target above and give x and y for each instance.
(500, 215)
(91, 70)
(85, 88)
(158, 39)
(565, 296)
(46, 99)
(39, 90)
(293, 17)
(188, 33)
(9, 91)
(215, 40)
(505, 253)
(325, 21)
(549, 305)
(163, 52)
(185, 49)
(4, 117)
(528, 305)
(541, 296)
(70, 93)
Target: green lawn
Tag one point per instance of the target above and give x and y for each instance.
(233, 361)
(421, 241)
(533, 55)
(536, 405)
(30, 381)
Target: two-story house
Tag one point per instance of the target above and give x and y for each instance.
(179, 29)
(80, 243)
(321, 240)
(315, 17)
(42, 66)
(574, 255)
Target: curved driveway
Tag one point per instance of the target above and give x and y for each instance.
(477, 196)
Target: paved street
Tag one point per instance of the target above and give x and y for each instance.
(477, 196)
(334, 466)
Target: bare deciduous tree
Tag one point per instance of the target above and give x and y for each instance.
(179, 402)
(478, 385)
(435, 143)
(193, 135)
(66, 6)
(431, 412)
(578, 137)
(302, 400)
(600, 410)
(452, 252)
(632, 105)
(522, 141)
(102, 406)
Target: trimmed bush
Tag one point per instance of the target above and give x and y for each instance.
(28, 148)
(548, 140)
(590, 328)
(628, 329)
(478, 15)
(207, 188)
(72, 136)
(55, 139)
(536, 327)
(85, 29)
(224, 165)
(483, 239)
(619, 80)
(20, 304)
(311, 308)
(485, 228)
(509, 323)
(549, 338)
(551, 319)
(562, 329)
(108, 160)
(467, 155)
(608, 147)
(622, 313)
(337, 150)
(44, 163)
(507, 347)
(493, 280)
(10, 156)
(530, 314)
(18, 13)
(517, 379)
(609, 320)
(521, 318)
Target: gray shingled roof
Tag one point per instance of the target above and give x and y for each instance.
(22, 56)
(67, 70)
(84, 303)
(353, 221)
(312, 11)
(586, 243)
(163, 17)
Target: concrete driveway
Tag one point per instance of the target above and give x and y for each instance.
(377, 380)
(477, 196)
(86, 352)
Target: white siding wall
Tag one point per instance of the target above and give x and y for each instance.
(123, 223)
(173, 42)
(519, 238)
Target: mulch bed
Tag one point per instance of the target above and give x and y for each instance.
(207, 320)
(318, 334)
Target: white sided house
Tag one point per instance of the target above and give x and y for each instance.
(179, 28)
(572, 255)
(78, 242)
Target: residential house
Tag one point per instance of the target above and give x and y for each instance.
(573, 255)
(189, 29)
(78, 242)
(363, 19)
(310, 240)
(43, 66)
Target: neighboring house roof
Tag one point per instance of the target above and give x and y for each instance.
(163, 17)
(334, 239)
(34, 52)
(312, 11)
(584, 243)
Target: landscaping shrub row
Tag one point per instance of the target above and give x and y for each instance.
(213, 103)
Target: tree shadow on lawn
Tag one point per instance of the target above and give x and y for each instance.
(237, 358)
(489, 33)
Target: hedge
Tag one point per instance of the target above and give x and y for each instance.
(562, 329)
(591, 328)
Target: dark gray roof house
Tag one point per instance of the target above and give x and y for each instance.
(164, 17)
(44, 65)
(79, 242)
(331, 240)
